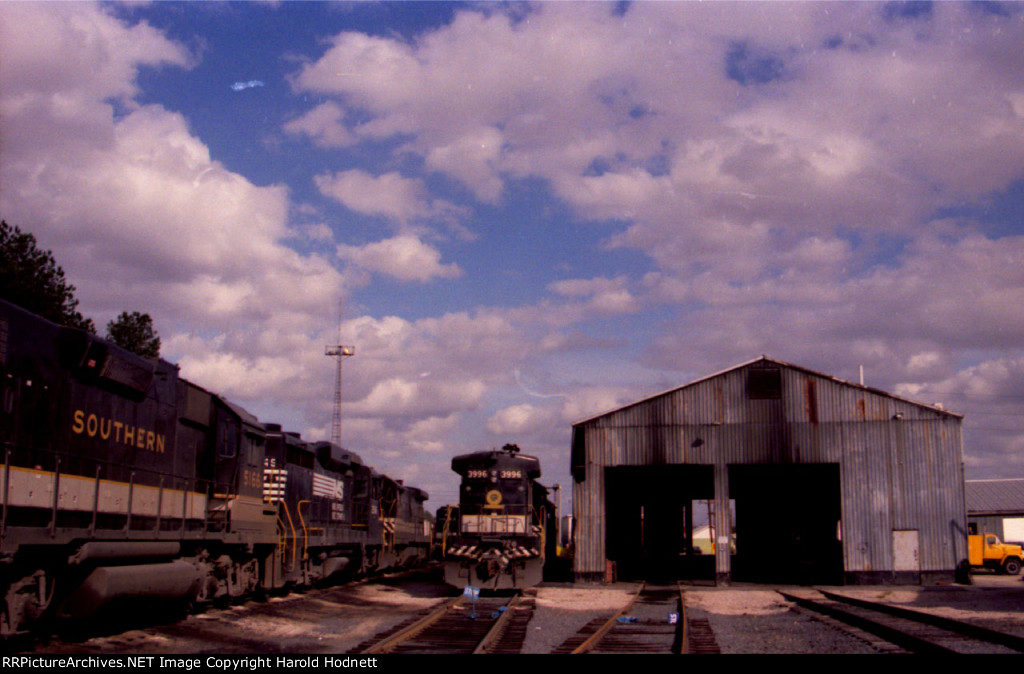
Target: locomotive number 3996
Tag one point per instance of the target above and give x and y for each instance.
(503, 474)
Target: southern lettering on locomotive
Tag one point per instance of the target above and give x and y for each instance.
(121, 480)
(505, 521)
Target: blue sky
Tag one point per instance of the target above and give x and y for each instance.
(532, 213)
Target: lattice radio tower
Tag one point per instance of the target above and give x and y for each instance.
(340, 352)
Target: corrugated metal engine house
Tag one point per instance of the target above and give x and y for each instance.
(802, 477)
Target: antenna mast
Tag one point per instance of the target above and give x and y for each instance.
(340, 352)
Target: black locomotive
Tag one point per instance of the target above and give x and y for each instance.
(505, 529)
(122, 480)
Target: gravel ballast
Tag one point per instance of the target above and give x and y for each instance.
(752, 619)
(758, 620)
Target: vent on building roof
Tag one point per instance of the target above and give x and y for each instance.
(764, 383)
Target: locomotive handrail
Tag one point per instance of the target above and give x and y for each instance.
(506, 509)
(494, 524)
(7, 488)
(131, 502)
(447, 523)
(159, 508)
(56, 498)
(305, 530)
(63, 467)
(291, 525)
(543, 534)
(383, 529)
(37, 452)
(95, 500)
(528, 512)
(184, 507)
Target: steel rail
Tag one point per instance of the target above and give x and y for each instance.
(413, 631)
(893, 624)
(415, 628)
(684, 634)
(960, 627)
(494, 634)
(596, 637)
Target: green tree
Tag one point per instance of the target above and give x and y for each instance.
(31, 278)
(134, 331)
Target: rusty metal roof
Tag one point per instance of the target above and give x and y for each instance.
(766, 359)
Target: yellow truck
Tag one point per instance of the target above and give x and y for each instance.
(987, 551)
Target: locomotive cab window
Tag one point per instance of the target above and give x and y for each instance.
(361, 487)
(253, 449)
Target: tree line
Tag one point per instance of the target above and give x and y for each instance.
(31, 278)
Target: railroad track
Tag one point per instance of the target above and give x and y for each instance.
(906, 630)
(653, 621)
(462, 626)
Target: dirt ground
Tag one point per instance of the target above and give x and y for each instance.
(339, 619)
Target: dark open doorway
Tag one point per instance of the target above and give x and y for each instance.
(787, 524)
(652, 514)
